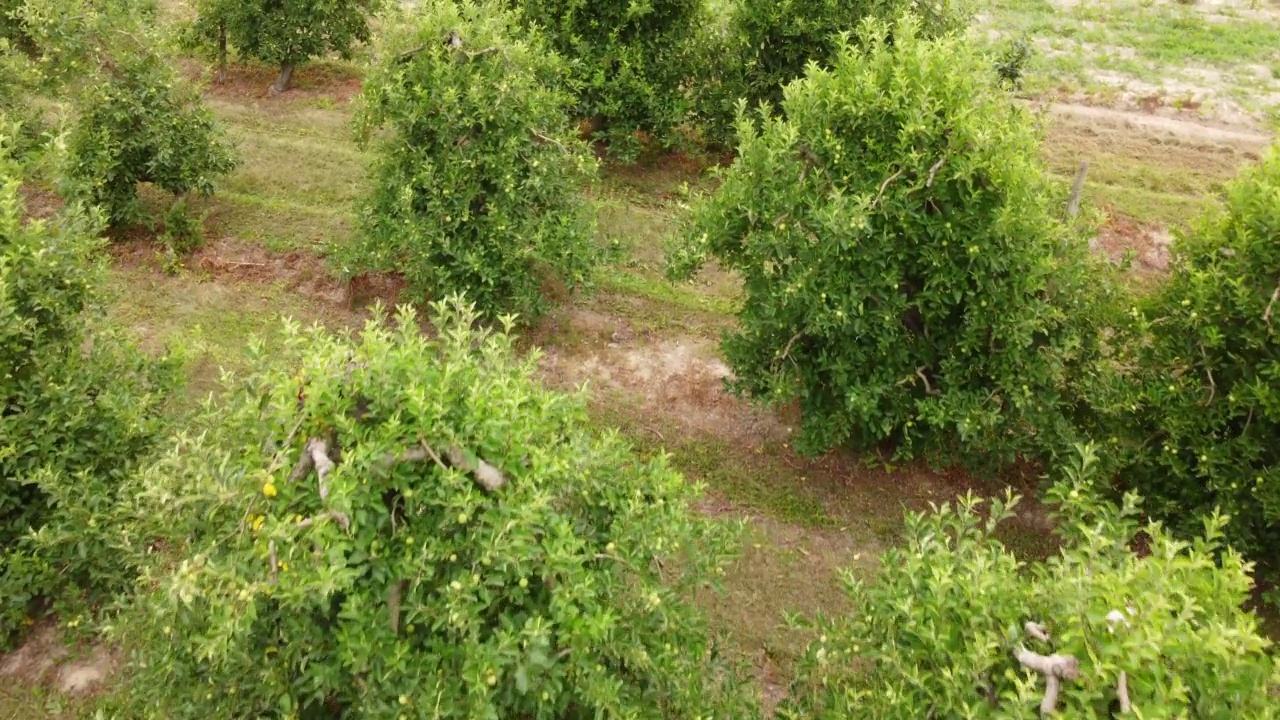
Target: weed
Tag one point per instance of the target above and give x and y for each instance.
(1012, 63)
(182, 232)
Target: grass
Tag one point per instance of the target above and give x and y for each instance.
(22, 702)
(213, 320)
(1152, 177)
(1159, 43)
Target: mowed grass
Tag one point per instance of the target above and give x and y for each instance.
(1148, 176)
(1164, 57)
(1234, 49)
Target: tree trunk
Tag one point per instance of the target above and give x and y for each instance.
(282, 83)
(222, 52)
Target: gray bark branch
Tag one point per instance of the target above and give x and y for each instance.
(1073, 205)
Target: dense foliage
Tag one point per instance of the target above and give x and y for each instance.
(17, 79)
(79, 408)
(138, 123)
(906, 278)
(777, 39)
(936, 634)
(13, 27)
(766, 44)
(631, 61)
(282, 33)
(478, 185)
(1198, 405)
(427, 532)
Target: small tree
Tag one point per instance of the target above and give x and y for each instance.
(631, 61)
(955, 626)
(1199, 409)
(426, 532)
(133, 119)
(80, 407)
(906, 278)
(478, 185)
(137, 123)
(282, 33)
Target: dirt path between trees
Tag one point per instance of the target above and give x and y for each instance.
(1152, 124)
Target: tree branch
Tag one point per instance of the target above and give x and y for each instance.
(1073, 204)
(275, 563)
(786, 349)
(928, 389)
(1275, 295)
(304, 465)
(1055, 669)
(393, 605)
(547, 139)
(336, 515)
(933, 171)
(479, 53)
(1122, 692)
(408, 54)
(489, 477)
(884, 185)
(318, 449)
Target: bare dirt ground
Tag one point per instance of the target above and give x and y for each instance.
(679, 377)
(44, 660)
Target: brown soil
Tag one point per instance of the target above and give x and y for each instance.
(40, 202)
(1150, 245)
(44, 660)
(311, 81)
(1197, 130)
(232, 261)
(673, 378)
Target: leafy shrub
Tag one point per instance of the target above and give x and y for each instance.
(80, 406)
(428, 533)
(477, 186)
(906, 278)
(75, 38)
(182, 231)
(1200, 409)
(282, 33)
(137, 123)
(17, 81)
(937, 632)
(631, 61)
(772, 42)
(1012, 62)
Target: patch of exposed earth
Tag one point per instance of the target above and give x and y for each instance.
(678, 378)
(45, 660)
(1151, 246)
